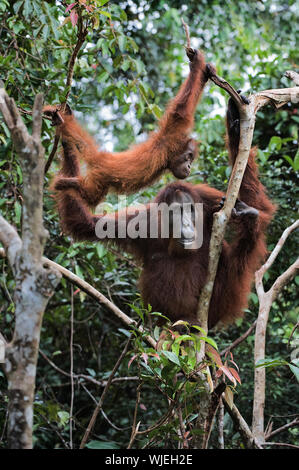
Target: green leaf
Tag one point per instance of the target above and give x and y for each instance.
(102, 445)
(271, 363)
(122, 41)
(63, 418)
(18, 212)
(296, 161)
(17, 6)
(171, 357)
(91, 372)
(105, 13)
(78, 271)
(275, 143)
(209, 341)
(101, 250)
(295, 369)
(196, 327)
(288, 159)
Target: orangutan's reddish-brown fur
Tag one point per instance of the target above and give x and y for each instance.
(172, 277)
(128, 171)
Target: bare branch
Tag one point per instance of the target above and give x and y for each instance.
(81, 36)
(186, 28)
(53, 153)
(281, 444)
(265, 302)
(219, 81)
(135, 425)
(294, 76)
(10, 240)
(87, 378)
(104, 393)
(34, 284)
(239, 340)
(37, 116)
(90, 290)
(293, 423)
(283, 279)
(286, 276)
(241, 425)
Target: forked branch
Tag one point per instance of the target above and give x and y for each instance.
(247, 121)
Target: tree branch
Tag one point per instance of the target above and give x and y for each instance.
(277, 249)
(104, 393)
(34, 284)
(247, 120)
(293, 423)
(186, 28)
(266, 300)
(10, 240)
(95, 294)
(92, 292)
(241, 425)
(239, 340)
(81, 36)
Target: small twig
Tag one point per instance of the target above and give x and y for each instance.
(186, 28)
(29, 113)
(102, 411)
(182, 429)
(219, 81)
(88, 289)
(160, 421)
(292, 332)
(81, 36)
(277, 248)
(87, 378)
(135, 425)
(293, 423)
(239, 340)
(294, 76)
(104, 393)
(53, 153)
(72, 367)
(282, 444)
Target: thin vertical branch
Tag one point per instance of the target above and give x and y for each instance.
(72, 367)
(266, 300)
(101, 401)
(186, 28)
(81, 36)
(135, 425)
(35, 284)
(220, 424)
